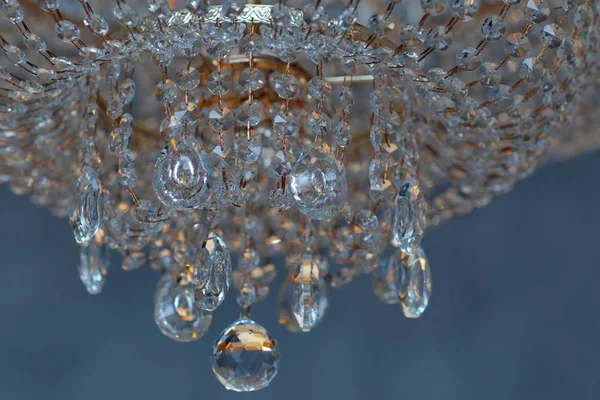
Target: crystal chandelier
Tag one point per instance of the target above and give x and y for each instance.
(181, 134)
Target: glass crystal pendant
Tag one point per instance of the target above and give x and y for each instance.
(176, 313)
(86, 205)
(386, 276)
(414, 284)
(93, 265)
(318, 182)
(245, 356)
(408, 219)
(212, 275)
(286, 305)
(308, 291)
(183, 177)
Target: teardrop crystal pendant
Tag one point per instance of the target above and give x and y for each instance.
(308, 290)
(212, 274)
(176, 313)
(86, 206)
(183, 177)
(285, 312)
(408, 218)
(245, 356)
(318, 182)
(414, 284)
(93, 266)
(386, 276)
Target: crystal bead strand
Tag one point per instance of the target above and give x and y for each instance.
(220, 118)
(259, 373)
(285, 125)
(249, 146)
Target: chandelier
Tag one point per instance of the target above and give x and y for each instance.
(181, 134)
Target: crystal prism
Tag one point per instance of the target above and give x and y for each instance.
(86, 206)
(245, 356)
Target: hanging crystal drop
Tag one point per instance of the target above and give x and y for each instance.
(93, 265)
(318, 182)
(175, 312)
(245, 356)
(183, 177)
(414, 284)
(285, 304)
(386, 276)
(309, 289)
(408, 218)
(86, 206)
(212, 275)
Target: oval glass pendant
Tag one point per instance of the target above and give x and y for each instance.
(93, 266)
(212, 274)
(183, 177)
(308, 290)
(245, 356)
(86, 206)
(176, 313)
(414, 284)
(408, 218)
(285, 311)
(387, 275)
(318, 183)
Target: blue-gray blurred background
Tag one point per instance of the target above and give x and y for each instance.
(515, 314)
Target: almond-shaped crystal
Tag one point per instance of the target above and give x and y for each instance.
(93, 266)
(408, 218)
(414, 284)
(86, 206)
(309, 290)
(212, 274)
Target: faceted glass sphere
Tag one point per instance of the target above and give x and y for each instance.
(176, 313)
(183, 178)
(317, 183)
(245, 356)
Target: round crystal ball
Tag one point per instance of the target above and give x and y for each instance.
(245, 356)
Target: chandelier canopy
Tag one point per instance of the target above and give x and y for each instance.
(181, 135)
